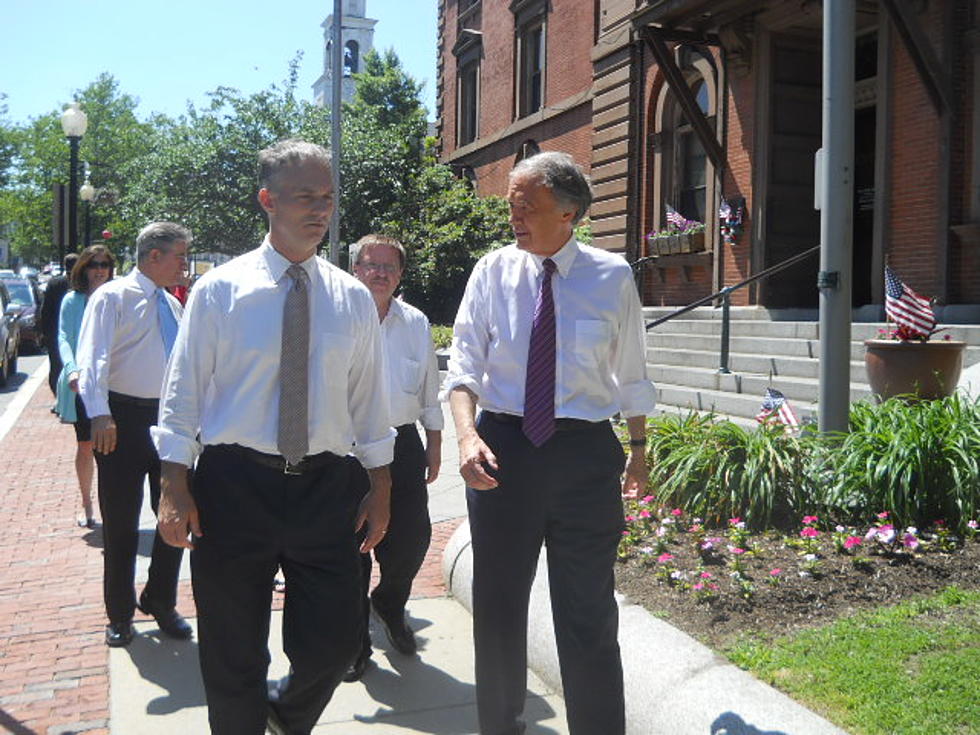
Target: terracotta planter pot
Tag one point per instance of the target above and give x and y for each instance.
(928, 369)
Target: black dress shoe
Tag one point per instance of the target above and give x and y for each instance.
(357, 669)
(401, 636)
(118, 635)
(170, 621)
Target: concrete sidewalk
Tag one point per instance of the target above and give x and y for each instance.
(58, 678)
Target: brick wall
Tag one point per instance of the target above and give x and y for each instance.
(568, 73)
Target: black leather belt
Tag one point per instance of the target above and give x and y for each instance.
(134, 400)
(277, 462)
(561, 424)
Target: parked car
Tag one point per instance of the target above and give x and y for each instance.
(9, 334)
(27, 297)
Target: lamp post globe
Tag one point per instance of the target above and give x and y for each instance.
(74, 123)
(87, 193)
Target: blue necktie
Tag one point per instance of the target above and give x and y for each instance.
(168, 322)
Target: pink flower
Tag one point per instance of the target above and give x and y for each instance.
(707, 545)
(626, 533)
(810, 519)
(677, 512)
(735, 550)
(886, 534)
(695, 529)
(883, 515)
(647, 499)
(972, 524)
(664, 558)
(735, 521)
(775, 572)
(851, 541)
(644, 514)
(872, 532)
(629, 519)
(712, 586)
(909, 541)
(809, 532)
(705, 575)
(697, 586)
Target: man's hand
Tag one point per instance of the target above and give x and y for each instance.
(73, 381)
(177, 513)
(375, 508)
(637, 473)
(104, 434)
(473, 453)
(433, 455)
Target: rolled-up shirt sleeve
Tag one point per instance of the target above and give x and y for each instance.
(186, 380)
(637, 394)
(471, 338)
(92, 354)
(374, 438)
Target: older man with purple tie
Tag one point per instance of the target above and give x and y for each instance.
(549, 342)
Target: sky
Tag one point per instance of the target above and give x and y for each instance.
(166, 53)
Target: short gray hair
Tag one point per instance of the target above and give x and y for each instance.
(286, 153)
(375, 240)
(565, 178)
(160, 236)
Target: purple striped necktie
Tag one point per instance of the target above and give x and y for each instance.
(539, 388)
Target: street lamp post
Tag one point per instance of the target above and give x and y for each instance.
(87, 193)
(74, 123)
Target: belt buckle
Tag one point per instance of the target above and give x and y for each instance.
(291, 469)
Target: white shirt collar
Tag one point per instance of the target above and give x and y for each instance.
(144, 282)
(563, 258)
(277, 265)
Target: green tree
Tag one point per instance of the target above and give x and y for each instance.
(40, 160)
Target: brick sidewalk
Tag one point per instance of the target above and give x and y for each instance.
(54, 665)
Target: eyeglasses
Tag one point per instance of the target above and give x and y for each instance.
(100, 264)
(387, 268)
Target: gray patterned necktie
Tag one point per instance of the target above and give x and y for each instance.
(294, 369)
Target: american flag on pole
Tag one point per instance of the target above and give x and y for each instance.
(675, 218)
(776, 406)
(906, 308)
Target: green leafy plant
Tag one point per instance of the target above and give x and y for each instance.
(717, 470)
(920, 460)
(442, 336)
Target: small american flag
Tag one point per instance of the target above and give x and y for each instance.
(776, 406)
(906, 308)
(675, 218)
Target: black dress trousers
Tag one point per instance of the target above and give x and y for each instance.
(402, 551)
(567, 495)
(122, 474)
(255, 520)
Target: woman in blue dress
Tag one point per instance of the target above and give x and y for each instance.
(95, 266)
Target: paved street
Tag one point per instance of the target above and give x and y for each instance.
(58, 678)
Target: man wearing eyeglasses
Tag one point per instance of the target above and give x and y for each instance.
(123, 345)
(413, 389)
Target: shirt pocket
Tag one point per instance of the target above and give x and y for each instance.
(592, 342)
(409, 375)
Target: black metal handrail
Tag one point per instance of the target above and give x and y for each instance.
(725, 296)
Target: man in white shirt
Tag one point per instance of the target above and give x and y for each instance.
(413, 390)
(549, 342)
(126, 334)
(277, 371)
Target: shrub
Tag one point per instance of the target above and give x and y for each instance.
(717, 470)
(442, 336)
(917, 459)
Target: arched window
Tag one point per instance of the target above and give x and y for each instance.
(682, 174)
(351, 60)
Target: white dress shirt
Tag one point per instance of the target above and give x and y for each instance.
(413, 371)
(600, 358)
(223, 376)
(120, 347)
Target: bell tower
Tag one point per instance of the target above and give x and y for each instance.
(357, 37)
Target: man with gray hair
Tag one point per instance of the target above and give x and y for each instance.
(549, 343)
(123, 345)
(276, 372)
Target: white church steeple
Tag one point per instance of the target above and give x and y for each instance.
(357, 36)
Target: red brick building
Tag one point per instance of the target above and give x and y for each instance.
(619, 85)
